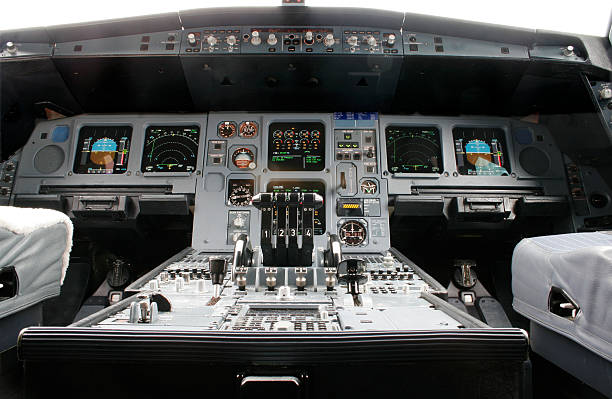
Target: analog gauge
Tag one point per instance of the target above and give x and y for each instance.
(248, 129)
(304, 134)
(289, 134)
(240, 196)
(352, 233)
(226, 129)
(243, 158)
(289, 143)
(368, 187)
(278, 134)
(316, 134)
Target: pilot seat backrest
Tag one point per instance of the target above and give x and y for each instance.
(35, 249)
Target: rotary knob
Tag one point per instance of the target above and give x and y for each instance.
(272, 40)
(211, 40)
(605, 93)
(308, 38)
(371, 40)
(391, 40)
(329, 40)
(239, 222)
(255, 39)
(11, 47)
(231, 40)
(568, 51)
(191, 38)
(352, 41)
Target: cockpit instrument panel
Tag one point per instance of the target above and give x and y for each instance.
(103, 149)
(290, 186)
(481, 151)
(170, 149)
(296, 146)
(413, 149)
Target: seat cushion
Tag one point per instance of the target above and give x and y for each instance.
(580, 264)
(36, 243)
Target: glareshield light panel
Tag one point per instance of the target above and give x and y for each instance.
(103, 149)
(171, 149)
(481, 151)
(413, 149)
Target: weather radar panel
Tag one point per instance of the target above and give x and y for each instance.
(413, 149)
(171, 149)
(103, 150)
(481, 151)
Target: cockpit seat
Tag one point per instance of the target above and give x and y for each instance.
(35, 249)
(563, 285)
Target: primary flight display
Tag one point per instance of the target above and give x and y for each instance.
(481, 151)
(103, 149)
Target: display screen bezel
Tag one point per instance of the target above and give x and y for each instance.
(499, 134)
(293, 165)
(391, 163)
(143, 164)
(84, 131)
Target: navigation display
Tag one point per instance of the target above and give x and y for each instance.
(413, 149)
(481, 151)
(103, 149)
(290, 186)
(170, 149)
(296, 146)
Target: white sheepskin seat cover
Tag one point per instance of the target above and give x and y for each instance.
(37, 243)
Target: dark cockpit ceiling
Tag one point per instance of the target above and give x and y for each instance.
(61, 72)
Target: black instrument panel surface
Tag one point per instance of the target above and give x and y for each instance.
(170, 149)
(413, 149)
(103, 149)
(481, 151)
(296, 146)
